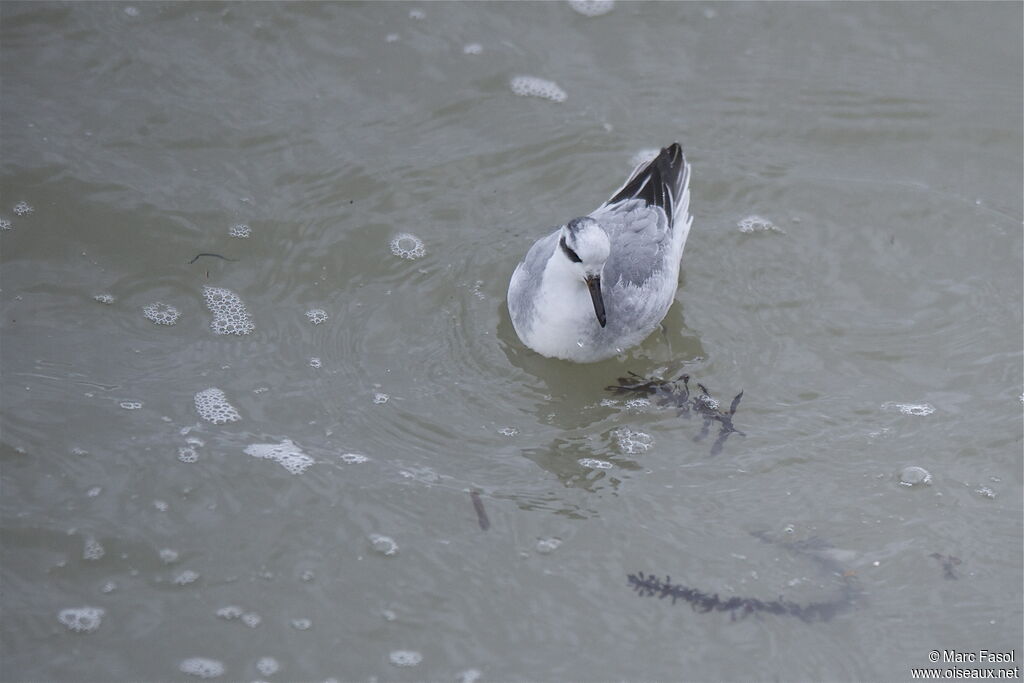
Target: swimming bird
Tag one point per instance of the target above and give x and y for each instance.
(601, 283)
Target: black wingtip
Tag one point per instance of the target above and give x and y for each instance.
(660, 182)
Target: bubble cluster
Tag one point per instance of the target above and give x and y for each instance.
(201, 667)
(286, 454)
(187, 454)
(631, 442)
(594, 464)
(546, 546)
(408, 246)
(5, 224)
(22, 209)
(229, 313)
(913, 476)
(186, 577)
(531, 86)
(315, 362)
(130, 405)
(380, 398)
(104, 298)
(985, 491)
(509, 431)
(230, 612)
(353, 458)
(212, 405)
(131, 11)
(385, 545)
(592, 8)
(302, 624)
(910, 408)
(638, 404)
(168, 555)
(754, 223)
(241, 231)
(405, 657)
(93, 549)
(251, 619)
(267, 666)
(472, 49)
(161, 313)
(81, 619)
(316, 315)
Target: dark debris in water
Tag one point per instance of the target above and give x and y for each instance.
(947, 562)
(677, 393)
(649, 585)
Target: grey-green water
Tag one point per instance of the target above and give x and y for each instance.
(883, 143)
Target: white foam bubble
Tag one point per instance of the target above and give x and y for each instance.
(212, 405)
(161, 505)
(985, 491)
(408, 246)
(380, 398)
(131, 11)
(81, 619)
(130, 405)
(161, 313)
(353, 458)
(267, 666)
(405, 657)
(472, 49)
(914, 476)
(108, 587)
(286, 454)
(230, 612)
(241, 231)
(391, 37)
(509, 431)
(201, 667)
(638, 404)
(187, 454)
(186, 577)
(592, 8)
(301, 624)
(918, 409)
(755, 223)
(316, 315)
(632, 442)
(230, 315)
(315, 362)
(251, 619)
(548, 545)
(470, 676)
(385, 545)
(417, 14)
(22, 209)
(531, 86)
(168, 555)
(94, 491)
(594, 463)
(93, 549)
(104, 298)
(5, 224)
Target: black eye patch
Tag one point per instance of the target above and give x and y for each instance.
(569, 252)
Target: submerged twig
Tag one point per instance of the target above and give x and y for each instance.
(677, 393)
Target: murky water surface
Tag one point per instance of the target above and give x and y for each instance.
(257, 463)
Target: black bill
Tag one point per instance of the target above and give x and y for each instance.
(594, 285)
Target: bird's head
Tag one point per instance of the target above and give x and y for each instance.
(585, 246)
